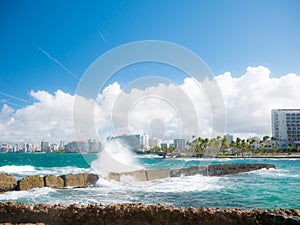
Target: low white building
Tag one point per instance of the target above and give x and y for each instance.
(286, 127)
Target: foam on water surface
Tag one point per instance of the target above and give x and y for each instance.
(30, 194)
(17, 169)
(115, 157)
(274, 188)
(27, 170)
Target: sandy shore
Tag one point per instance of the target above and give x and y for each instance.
(139, 214)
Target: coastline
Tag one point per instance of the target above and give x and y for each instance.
(177, 155)
(240, 156)
(261, 157)
(139, 214)
(183, 192)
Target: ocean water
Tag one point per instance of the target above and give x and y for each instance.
(275, 188)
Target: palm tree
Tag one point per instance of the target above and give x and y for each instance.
(238, 143)
(289, 149)
(265, 138)
(274, 138)
(224, 144)
(275, 149)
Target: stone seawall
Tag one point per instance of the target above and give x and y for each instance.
(9, 183)
(139, 214)
(81, 180)
(208, 170)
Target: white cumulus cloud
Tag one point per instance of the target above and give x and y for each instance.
(176, 110)
(250, 98)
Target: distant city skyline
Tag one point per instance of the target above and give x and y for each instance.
(251, 47)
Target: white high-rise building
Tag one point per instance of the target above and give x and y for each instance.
(132, 142)
(144, 142)
(153, 142)
(94, 145)
(45, 145)
(286, 127)
(179, 145)
(229, 138)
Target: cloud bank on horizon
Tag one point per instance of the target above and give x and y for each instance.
(248, 102)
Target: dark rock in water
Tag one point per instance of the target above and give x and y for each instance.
(53, 181)
(139, 214)
(90, 178)
(7, 182)
(79, 180)
(30, 182)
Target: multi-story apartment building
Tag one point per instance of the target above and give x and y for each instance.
(131, 142)
(45, 145)
(286, 127)
(229, 138)
(179, 145)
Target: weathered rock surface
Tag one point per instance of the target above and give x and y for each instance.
(113, 176)
(208, 170)
(157, 174)
(139, 175)
(22, 224)
(73, 180)
(7, 182)
(30, 182)
(79, 180)
(139, 214)
(53, 181)
(90, 178)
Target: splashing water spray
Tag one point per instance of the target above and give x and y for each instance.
(115, 157)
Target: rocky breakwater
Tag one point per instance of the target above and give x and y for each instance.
(139, 214)
(9, 183)
(207, 170)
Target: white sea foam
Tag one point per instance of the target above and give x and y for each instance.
(63, 170)
(148, 156)
(27, 170)
(195, 183)
(205, 159)
(115, 158)
(33, 193)
(274, 173)
(17, 169)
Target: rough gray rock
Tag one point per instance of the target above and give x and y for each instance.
(90, 178)
(53, 181)
(208, 170)
(7, 182)
(79, 180)
(30, 182)
(139, 214)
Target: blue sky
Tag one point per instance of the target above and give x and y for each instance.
(228, 35)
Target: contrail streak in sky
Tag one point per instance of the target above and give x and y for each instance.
(101, 35)
(14, 97)
(14, 104)
(58, 63)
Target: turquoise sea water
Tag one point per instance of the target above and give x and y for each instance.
(275, 188)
